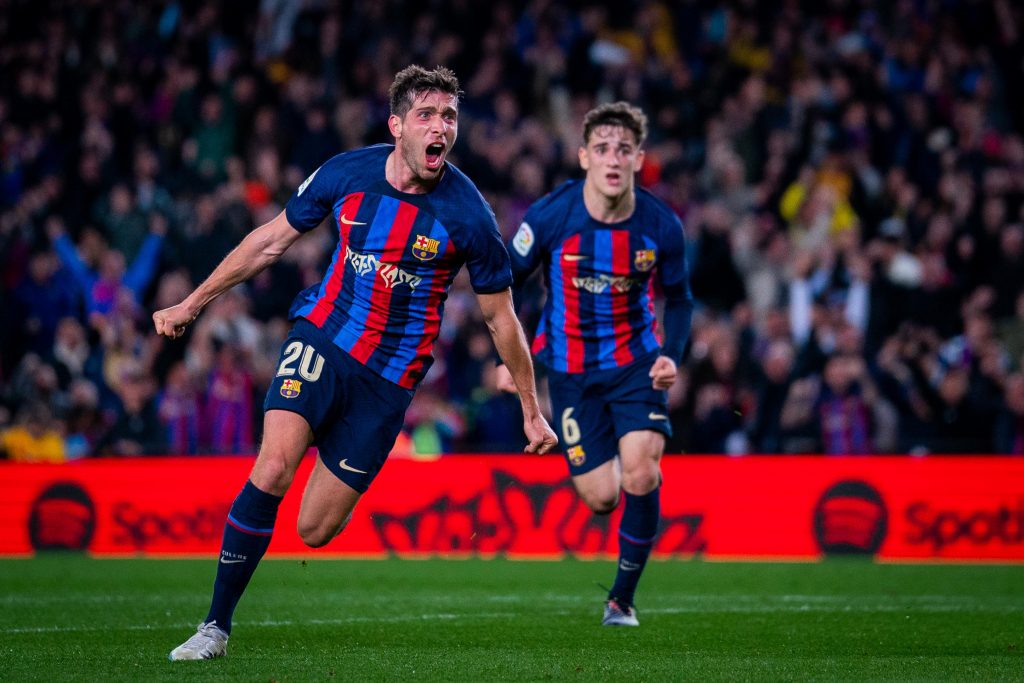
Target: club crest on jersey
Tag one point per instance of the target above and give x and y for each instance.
(291, 388)
(576, 455)
(644, 259)
(425, 248)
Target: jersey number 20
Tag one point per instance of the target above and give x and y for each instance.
(309, 369)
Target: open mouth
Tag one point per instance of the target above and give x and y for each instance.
(435, 155)
(613, 178)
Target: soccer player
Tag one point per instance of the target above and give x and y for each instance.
(407, 221)
(603, 243)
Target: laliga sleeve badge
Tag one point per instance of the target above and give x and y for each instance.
(291, 388)
(306, 182)
(523, 240)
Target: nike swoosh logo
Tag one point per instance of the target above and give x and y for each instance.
(348, 221)
(223, 561)
(574, 257)
(345, 466)
(656, 416)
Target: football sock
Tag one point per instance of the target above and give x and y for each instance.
(246, 537)
(637, 531)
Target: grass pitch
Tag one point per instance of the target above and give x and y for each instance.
(73, 618)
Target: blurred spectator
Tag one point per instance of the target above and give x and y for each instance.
(102, 287)
(179, 408)
(41, 300)
(137, 429)
(35, 437)
(1009, 432)
(86, 424)
(230, 406)
(770, 390)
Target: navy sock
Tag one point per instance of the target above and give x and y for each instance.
(246, 537)
(637, 531)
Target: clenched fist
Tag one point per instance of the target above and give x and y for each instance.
(171, 322)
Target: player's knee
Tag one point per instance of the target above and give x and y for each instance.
(315, 535)
(318, 534)
(641, 481)
(272, 474)
(602, 504)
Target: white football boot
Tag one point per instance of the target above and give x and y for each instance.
(619, 614)
(208, 642)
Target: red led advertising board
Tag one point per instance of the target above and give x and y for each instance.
(753, 507)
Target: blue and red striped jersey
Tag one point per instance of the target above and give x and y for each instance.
(599, 312)
(383, 295)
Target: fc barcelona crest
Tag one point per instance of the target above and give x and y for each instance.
(577, 456)
(425, 248)
(644, 259)
(290, 388)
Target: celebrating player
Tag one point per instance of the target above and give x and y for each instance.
(601, 241)
(407, 221)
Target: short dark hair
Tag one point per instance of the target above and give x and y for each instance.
(413, 80)
(616, 114)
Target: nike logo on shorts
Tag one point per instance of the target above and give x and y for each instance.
(656, 416)
(345, 466)
(348, 221)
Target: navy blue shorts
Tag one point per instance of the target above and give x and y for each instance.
(355, 414)
(593, 410)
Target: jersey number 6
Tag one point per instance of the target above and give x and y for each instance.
(570, 428)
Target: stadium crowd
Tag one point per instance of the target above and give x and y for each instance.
(850, 175)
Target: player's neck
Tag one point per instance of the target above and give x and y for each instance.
(401, 177)
(608, 208)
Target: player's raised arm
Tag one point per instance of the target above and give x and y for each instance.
(257, 250)
(511, 344)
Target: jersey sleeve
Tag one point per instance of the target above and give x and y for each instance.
(486, 258)
(523, 249)
(672, 270)
(675, 284)
(315, 197)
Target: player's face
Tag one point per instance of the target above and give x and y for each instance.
(425, 134)
(610, 157)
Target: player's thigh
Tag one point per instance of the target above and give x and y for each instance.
(300, 398)
(640, 454)
(599, 487)
(286, 438)
(640, 415)
(355, 444)
(634, 404)
(581, 417)
(327, 505)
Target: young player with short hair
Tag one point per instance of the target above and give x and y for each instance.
(602, 244)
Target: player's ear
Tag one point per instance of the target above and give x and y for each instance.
(584, 158)
(395, 125)
(639, 160)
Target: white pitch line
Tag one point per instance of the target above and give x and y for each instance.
(734, 604)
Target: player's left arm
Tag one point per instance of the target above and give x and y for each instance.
(510, 342)
(675, 284)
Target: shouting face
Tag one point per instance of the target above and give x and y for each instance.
(423, 137)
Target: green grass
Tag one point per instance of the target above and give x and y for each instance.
(72, 618)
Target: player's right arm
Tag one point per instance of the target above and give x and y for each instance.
(259, 249)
